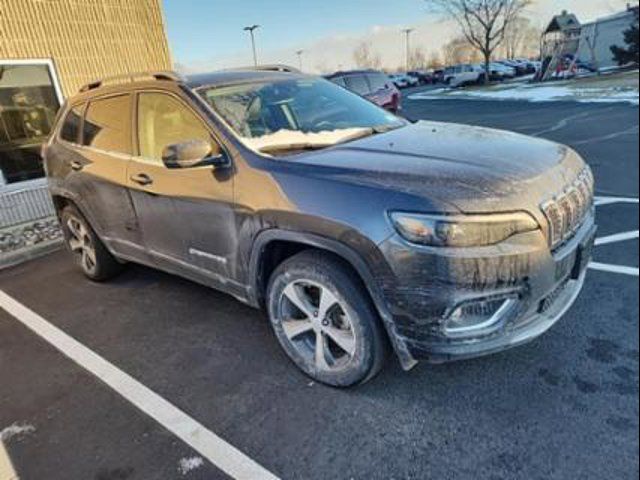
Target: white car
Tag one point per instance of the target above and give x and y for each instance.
(462, 75)
(402, 80)
(502, 71)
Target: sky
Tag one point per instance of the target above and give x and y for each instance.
(208, 34)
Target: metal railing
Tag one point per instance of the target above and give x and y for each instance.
(25, 205)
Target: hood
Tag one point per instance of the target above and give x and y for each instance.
(474, 169)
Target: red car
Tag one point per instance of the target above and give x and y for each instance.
(373, 85)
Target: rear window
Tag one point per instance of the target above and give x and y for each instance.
(107, 124)
(357, 84)
(378, 81)
(338, 81)
(71, 125)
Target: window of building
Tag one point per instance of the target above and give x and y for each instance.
(70, 130)
(107, 124)
(28, 105)
(162, 121)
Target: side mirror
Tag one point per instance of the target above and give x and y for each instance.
(192, 153)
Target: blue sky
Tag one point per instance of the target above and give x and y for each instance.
(200, 28)
(207, 34)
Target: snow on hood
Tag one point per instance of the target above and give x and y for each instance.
(285, 138)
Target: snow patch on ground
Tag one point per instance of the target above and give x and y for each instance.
(15, 430)
(535, 93)
(188, 464)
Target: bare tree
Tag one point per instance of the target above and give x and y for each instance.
(521, 38)
(482, 22)
(434, 62)
(364, 57)
(459, 50)
(417, 58)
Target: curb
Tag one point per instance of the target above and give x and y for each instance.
(17, 257)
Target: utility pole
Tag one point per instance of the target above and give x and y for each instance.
(299, 54)
(250, 29)
(407, 32)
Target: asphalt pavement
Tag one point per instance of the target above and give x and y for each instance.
(564, 406)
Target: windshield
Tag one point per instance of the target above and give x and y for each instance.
(296, 114)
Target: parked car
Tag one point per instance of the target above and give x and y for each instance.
(424, 78)
(462, 75)
(502, 72)
(355, 229)
(438, 76)
(372, 85)
(402, 80)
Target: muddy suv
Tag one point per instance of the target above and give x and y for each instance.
(355, 229)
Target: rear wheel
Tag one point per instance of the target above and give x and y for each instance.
(324, 320)
(93, 258)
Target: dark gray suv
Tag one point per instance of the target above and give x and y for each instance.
(355, 229)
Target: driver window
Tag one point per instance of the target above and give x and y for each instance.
(162, 121)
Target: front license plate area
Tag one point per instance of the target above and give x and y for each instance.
(583, 256)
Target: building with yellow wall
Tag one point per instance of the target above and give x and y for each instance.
(48, 50)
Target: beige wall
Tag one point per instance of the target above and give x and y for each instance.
(86, 39)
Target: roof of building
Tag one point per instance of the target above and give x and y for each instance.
(563, 22)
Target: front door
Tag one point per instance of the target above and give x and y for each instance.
(186, 215)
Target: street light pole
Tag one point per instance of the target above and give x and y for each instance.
(299, 54)
(407, 32)
(250, 29)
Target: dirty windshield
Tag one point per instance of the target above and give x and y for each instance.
(297, 114)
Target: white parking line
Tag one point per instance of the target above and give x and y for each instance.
(603, 200)
(607, 267)
(618, 237)
(220, 453)
(7, 472)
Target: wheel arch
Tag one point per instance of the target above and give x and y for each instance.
(260, 269)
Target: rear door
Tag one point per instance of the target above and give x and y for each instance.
(98, 171)
(186, 214)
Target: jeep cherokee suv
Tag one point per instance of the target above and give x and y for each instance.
(355, 229)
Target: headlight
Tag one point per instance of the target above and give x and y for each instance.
(462, 230)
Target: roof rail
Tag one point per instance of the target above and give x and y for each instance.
(276, 67)
(132, 77)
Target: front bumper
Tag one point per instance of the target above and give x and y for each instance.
(430, 282)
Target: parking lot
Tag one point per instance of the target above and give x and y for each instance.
(564, 406)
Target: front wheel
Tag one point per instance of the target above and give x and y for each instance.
(324, 320)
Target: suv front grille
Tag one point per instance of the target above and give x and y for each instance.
(566, 212)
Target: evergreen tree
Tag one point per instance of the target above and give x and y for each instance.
(628, 54)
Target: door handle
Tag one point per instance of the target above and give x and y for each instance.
(141, 179)
(76, 165)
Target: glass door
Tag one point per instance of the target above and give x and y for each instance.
(29, 100)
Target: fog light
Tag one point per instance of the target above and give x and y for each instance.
(478, 317)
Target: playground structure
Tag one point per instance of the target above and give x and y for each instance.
(558, 46)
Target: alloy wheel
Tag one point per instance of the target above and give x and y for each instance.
(81, 244)
(317, 324)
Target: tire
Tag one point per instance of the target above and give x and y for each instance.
(313, 295)
(93, 258)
